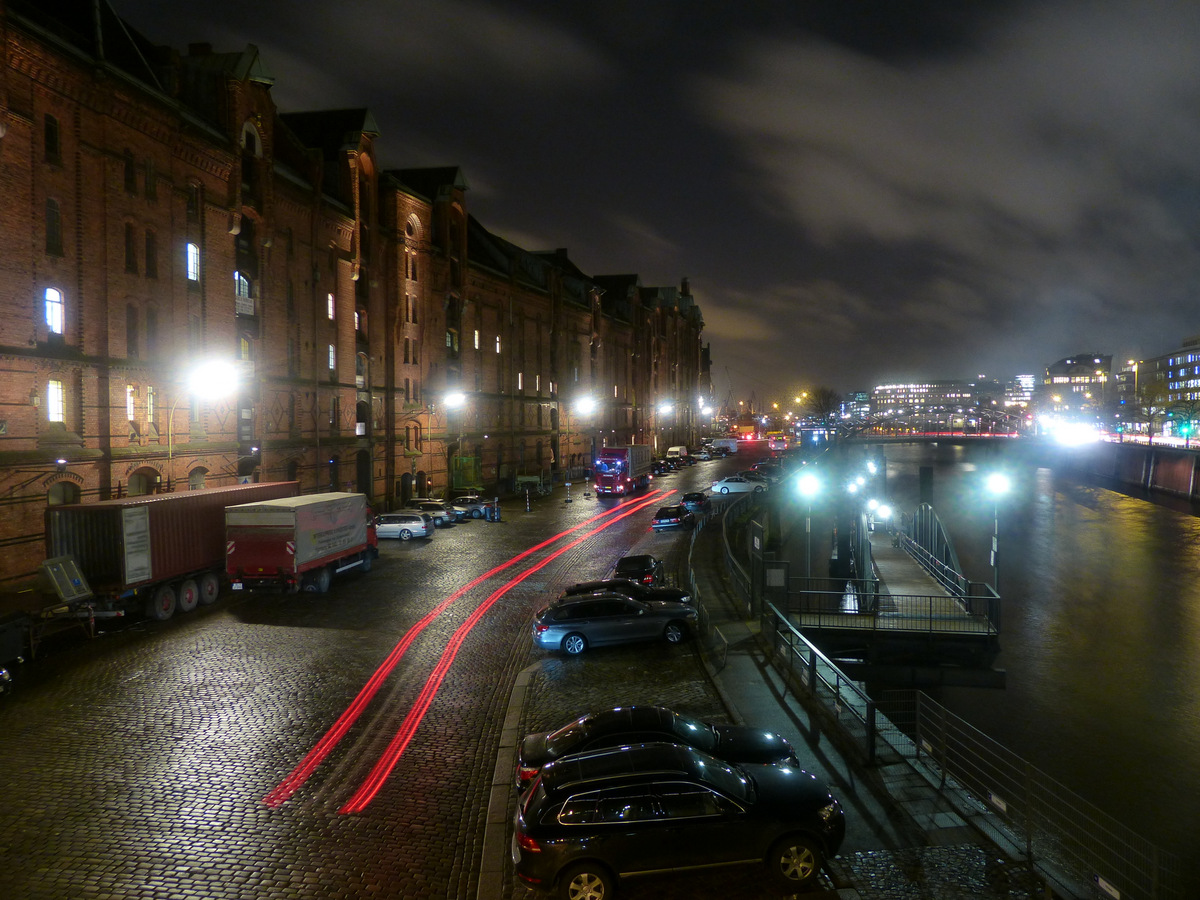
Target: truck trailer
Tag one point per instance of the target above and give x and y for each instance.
(296, 543)
(623, 470)
(158, 553)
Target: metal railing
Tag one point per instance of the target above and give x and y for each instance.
(1078, 848)
(807, 666)
(873, 611)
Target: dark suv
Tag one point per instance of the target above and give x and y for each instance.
(589, 820)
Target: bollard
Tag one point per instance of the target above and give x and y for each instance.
(526, 499)
(568, 484)
(496, 507)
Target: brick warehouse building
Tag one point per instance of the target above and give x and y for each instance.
(159, 213)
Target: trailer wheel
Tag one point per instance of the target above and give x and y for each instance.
(368, 557)
(189, 596)
(161, 606)
(210, 588)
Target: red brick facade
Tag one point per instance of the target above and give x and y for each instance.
(159, 212)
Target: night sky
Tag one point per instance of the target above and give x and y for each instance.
(859, 192)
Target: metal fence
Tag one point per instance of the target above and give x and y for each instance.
(1076, 846)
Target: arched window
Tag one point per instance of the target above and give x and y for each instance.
(55, 314)
(197, 478)
(62, 492)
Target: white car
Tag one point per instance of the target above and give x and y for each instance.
(736, 484)
(702, 455)
(404, 526)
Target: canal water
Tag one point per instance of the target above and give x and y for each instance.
(1100, 629)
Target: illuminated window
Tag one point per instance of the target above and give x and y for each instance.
(130, 393)
(520, 381)
(241, 285)
(476, 338)
(497, 343)
(193, 262)
(332, 357)
(54, 311)
(55, 402)
(329, 308)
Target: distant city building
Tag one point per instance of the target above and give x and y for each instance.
(1018, 393)
(857, 405)
(1076, 385)
(1183, 372)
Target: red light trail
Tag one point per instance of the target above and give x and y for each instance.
(300, 774)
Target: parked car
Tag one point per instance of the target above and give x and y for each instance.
(702, 455)
(695, 502)
(660, 467)
(404, 525)
(672, 517)
(643, 592)
(642, 568)
(736, 484)
(572, 624)
(590, 820)
(639, 724)
(475, 505)
(442, 515)
(5, 681)
(753, 475)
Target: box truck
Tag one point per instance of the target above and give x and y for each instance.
(298, 543)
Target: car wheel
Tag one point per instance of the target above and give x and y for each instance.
(477, 514)
(586, 881)
(675, 632)
(795, 862)
(724, 490)
(368, 560)
(758, 488)
(405, 534)
(574, 644)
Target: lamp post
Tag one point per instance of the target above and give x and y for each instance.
(809, 485)
(454, 400)
(209, 380)
(997, 485)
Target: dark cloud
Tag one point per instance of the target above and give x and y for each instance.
(860, 192)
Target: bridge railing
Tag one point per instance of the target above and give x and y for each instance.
(892, 612)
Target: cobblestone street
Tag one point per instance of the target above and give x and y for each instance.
(136, 764)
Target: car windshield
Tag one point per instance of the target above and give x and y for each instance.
(698, 734)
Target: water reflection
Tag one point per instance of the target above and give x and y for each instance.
(1100, 631)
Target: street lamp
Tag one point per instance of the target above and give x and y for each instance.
(585, 406)
(808, 485)
(209, 380)
(455, 400)
(998, 485)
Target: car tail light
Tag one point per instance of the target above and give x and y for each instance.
(541, 629)
(528, 844)
(526, 774)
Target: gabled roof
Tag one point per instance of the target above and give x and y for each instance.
(94, 30)
(426, 183)
(331, 130)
